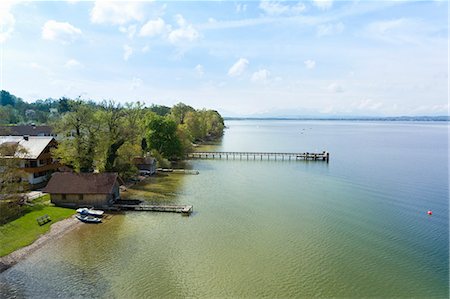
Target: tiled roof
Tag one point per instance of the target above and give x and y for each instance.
(81, 183)
(30, 130)
(34, 146)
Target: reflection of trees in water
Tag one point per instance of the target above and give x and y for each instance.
(163, 188)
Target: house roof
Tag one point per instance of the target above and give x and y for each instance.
(81, 183)
(34, 146)
(30, 130)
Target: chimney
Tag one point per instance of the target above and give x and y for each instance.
(26, 137)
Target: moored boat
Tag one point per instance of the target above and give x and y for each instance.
(91, 212)
(88, 218)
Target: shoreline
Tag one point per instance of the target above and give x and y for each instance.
(57, 230)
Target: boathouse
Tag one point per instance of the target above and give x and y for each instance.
(74, 190)
(145, 164)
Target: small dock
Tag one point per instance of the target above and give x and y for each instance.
(323, 156)
(183, 209)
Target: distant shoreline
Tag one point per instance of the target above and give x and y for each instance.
(391, 119)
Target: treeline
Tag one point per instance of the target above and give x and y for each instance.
(108, 136)
(14, 110)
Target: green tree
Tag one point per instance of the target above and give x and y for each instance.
(162, 136)
(192, 122)
(81, 126)
(178, 112)
(160, 109)
(63, 105)
(12, 181)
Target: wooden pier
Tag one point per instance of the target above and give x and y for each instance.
(183, 209)
(323, 156)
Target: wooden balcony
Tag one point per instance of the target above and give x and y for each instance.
(42, 168)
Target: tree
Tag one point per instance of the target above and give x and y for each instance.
(4, 116)
(111, 118)
(178, 112)
(160, 109)
(82, 125)
(12, 181)
(162, 136)
(193, 125)
(63, 105)
(7, 99)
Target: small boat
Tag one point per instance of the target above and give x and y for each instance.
(91, 212)
(88, 218)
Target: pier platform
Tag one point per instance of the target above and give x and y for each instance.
(183, 209)
(323, 156)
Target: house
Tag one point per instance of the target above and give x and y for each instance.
(145, 165)
(30, 130)
(74, 190)
(35, 156)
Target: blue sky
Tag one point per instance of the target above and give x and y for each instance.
(239, 57)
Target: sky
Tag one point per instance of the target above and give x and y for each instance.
(242, 58)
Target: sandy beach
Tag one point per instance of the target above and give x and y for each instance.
(57, 230)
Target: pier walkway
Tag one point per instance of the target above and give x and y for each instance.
(323, 156)
(183, 209)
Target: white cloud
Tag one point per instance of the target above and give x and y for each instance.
(127, 51)
(7, 20)
(275, 8)
(238, 68)
(130, 31)
(330, 29)
(199, 70)
(335, 87)
(185, 33)
(153, 28)
(60, 31)
(323, 4)
(72, 63)
(136, 83)
(310, 64)
(261, 76)
(241, 7)
(403, 30)
(117, 13)
(145, 49)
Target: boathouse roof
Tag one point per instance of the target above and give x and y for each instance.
(81, 183)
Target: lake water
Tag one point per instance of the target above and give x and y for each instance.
(357, 226)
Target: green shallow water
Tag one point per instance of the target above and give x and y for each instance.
(354, 227)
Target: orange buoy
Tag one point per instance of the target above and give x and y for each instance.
(429, 212)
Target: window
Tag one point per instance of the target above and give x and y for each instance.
(63, 197)
(80, 196)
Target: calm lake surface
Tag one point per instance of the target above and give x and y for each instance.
(357, 226)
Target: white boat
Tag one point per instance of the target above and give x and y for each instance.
(88, 218)
(91, 212)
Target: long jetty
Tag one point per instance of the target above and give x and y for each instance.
(139, 205)
(183, 209)
(323, 156)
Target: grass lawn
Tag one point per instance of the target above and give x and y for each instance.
(25, 230)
